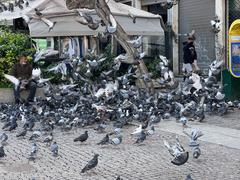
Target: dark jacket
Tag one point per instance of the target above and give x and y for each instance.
(189, 53)
(22, 71)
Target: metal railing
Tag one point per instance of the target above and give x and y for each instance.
(233, 11)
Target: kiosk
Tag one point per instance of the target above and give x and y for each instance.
(231, 76)
(234, 49)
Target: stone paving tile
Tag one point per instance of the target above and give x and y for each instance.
(230, 120)
(148, 161)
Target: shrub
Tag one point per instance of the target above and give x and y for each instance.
(11, 46)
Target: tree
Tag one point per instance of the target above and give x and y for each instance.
(103, 11)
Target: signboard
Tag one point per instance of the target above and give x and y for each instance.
(235, 58)
(234, 49)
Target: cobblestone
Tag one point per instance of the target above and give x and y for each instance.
(148, 161)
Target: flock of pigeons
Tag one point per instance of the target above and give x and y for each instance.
(110, 97)
(85, 102)
(10, 6)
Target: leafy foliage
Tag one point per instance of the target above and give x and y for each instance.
(11, 46)
(152, 65)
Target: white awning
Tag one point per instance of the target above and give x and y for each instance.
(56, 11)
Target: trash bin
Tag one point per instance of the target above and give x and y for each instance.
(232, 85)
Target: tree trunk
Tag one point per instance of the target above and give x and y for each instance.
(103, 11)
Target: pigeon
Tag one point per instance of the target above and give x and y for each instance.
(91, 164)
(14, 80)
(137, 130)
(151, 131)
(184, 121)
(137, 43)
(27, 19)
(22, 133)
(132, 16)
(27, 4)
(189, 177)
(11, 7)
(145, 124)
(195, 134)
(219, 96)
(141, 137)
(54, 149)
(112, 26)
(196, 152)
(216, 25)
(116, 131)
(119, 178)
(101, 127)
(34, 148)
(35, 135)
(3, 138)
(104, 141)
(37, 11)
(49, 138)
(178, 152)
(36, 73)
(20, 6)
(117, 140)
(49, 23)
(82, 137)
(2, 152)
(169, 4)
(193, 144)
(13, 126)
(3, 6)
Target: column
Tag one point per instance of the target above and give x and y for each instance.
(175, 47)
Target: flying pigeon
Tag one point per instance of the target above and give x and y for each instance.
(91, 164)
(137, 43)
(36, 73)
(132, 16)
(38, 12)
(27, 19)
(11, 7)
(178, 152)
(216, 25)
(137, 131)
(195, 134)
(14, 80)
(49, 23)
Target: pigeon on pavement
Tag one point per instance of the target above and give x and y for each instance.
(91, 164)
(82, 137)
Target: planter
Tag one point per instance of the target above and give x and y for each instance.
(6, 94)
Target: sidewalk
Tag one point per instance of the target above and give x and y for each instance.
(213, 134)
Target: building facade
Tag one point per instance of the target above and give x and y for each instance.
(195, 15)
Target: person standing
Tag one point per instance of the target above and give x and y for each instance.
(23, 72)
(189, 57)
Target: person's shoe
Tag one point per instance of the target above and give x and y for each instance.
(17, 101)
